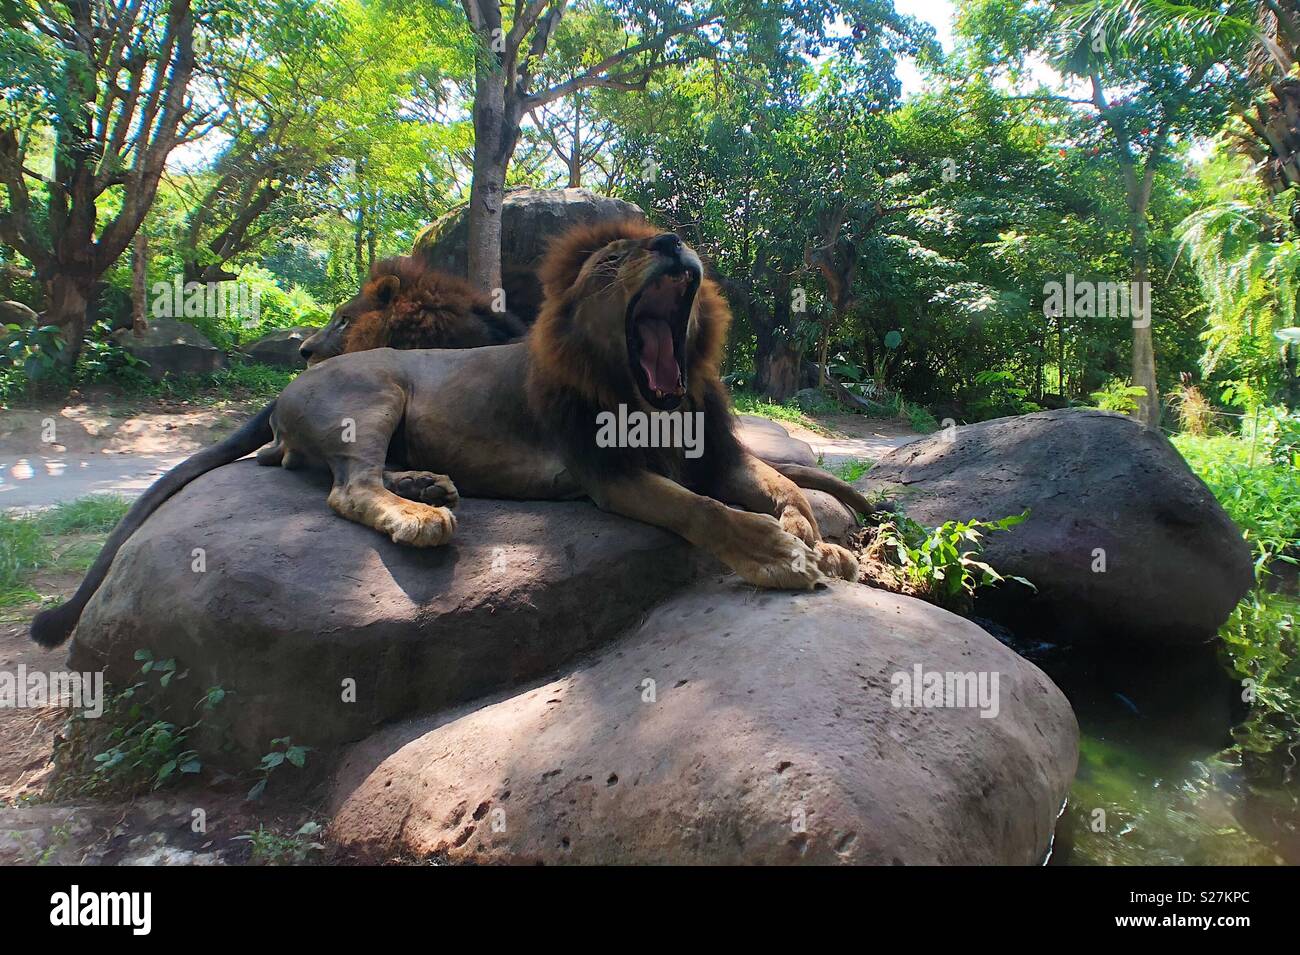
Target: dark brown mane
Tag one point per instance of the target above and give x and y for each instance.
(431, 309)
(568, 384)
(558, 360)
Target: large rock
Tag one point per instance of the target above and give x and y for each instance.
(280, 348)
(772, 735)
(250, 582)
(530, 218)
(1099, 488)
(172, 348)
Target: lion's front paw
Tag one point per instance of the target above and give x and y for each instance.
(423, 486)
(420, 526)
(835, 561)
(767, 556)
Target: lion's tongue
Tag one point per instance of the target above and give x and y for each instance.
(658, 358)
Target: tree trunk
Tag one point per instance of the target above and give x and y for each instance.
(493, 147)
(67, 297)
(1144, 353)
(139, 278)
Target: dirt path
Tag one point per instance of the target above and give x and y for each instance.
(62, 452)
(851, 437)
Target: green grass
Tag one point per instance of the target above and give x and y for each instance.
(748, 403)
(32, 542)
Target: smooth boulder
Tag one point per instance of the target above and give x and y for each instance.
(1123, 541)
(530, 218)
(251, 583)
(280, 348)
(171, 348)
(733, 727)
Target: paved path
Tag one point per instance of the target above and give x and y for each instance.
(40, 480)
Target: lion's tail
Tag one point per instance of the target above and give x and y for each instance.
(52, 627)
(818, 480)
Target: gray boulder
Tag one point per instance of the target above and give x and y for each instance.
(172, 348)
(16, 313)
(1123, 541)
(289, 602)
(733, 728)
(530, 218)
(280, 348)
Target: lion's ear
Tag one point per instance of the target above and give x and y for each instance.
(386, 289)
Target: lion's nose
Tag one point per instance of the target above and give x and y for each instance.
(667, 244)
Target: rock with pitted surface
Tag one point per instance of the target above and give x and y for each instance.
(734, 727)
(530, 218)
(1123, 541)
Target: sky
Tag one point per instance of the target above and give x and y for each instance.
(939, 14)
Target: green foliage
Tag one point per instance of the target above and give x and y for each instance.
(133, 750)
(941, 564)
(749, 403)
(283, 751)
(1263, 498)
(851, 470)
(27, 355)
(1117, 396)
(270, 847)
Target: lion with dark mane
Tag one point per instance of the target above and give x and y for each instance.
(629, 324)
(405, 303)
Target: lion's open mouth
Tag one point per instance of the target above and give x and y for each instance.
(656, 335)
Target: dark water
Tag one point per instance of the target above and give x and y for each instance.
(1175, 767)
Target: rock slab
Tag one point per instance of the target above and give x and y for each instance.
(732, 727)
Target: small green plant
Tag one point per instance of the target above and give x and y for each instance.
(140, 751)
(283, 751)
(1117, 396)
(997, 394)
(941, 564)
(851, 469)
(270, 847)
(748, 403)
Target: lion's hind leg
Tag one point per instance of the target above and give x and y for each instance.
(426, 487)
